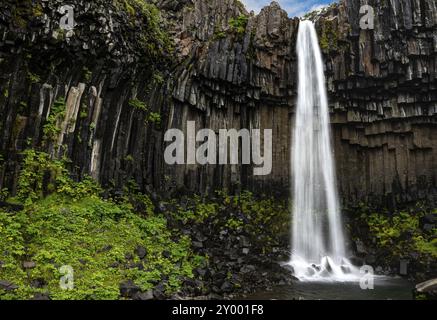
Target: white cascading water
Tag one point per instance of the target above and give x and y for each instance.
(317, 239)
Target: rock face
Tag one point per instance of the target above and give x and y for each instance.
(382, 86)
(231, 70)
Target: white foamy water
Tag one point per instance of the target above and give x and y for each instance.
(317, 234)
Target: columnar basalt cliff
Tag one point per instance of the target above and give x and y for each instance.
(223, 68)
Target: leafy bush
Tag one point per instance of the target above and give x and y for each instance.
(74, 226)
(138, 105)
(239, 24)
(93, 236)
(152, 38)
(51, 128)
(401, 233)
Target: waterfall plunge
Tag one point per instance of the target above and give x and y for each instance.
(318, 240)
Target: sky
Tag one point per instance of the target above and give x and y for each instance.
(295, 8)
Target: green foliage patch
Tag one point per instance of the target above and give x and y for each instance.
(239, 24)
(74, 226)
(402, 233)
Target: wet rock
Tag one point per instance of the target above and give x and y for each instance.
(29, 265)
(143, 296)
(288, 267)
(141, 252)
(106, 248)
(428, 227)
(403, 267)
(139, 266)
(197, 244)
(244, 242)
(41, 297)
(226, 287)
(11, 207)
(247, 269)
(38, 283)
(311, 272)
(427, 286)
(200, 272)
(159, 291)
(346, 269)
(128, 289)
(8, 286)
(361, 249)
(356, 261)
(430, 219)
(370, 259)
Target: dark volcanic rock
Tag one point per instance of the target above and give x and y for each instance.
(143, 296)
(7, 286)
(41, 297)
(141, 252)
(129, 290)
(381, 85)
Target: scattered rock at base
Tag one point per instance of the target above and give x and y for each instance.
(427, 286)
(7, 286)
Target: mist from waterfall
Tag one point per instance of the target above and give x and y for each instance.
(317, 235)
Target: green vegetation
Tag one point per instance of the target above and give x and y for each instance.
(138, 105)
(219, 33)
(239, 24)
(83, 111)
(61, 223)
(236, 26)
(329, 36)
(152, 117)
(155, 118)
(37, 10)
(151, 37)
(51, 128)
(33, 78)
(22, 107)
(74, 226)
(87, 74)
(402, 233)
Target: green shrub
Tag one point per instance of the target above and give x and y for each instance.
(138, 105)
(238, 25)
(93, 236)
(73, 226)
(401, 233)
(51, 128)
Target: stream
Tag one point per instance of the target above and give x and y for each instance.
(384, 289)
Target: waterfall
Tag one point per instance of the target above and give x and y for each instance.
(317, 234)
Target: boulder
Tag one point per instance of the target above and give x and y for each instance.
(128, 289)
(141, 252)
(8, 286)
(427, 286)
